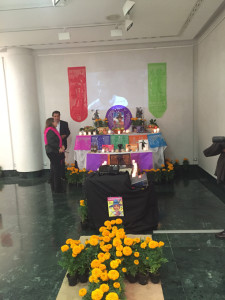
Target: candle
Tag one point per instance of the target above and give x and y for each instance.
(127, 131)
(154, 130)
(109, 131)
(157, 130)
(85, 133)
(103, 150)
(89, 133)
(118, 131)
(80, 133)
(94, 133)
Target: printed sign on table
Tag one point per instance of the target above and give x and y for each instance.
(115, 206)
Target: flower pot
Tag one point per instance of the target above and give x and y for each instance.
(84, 225)
(138, 128)
(72, 279)
(131, 278)
(155, 278)
(84, 277)
(142, 278)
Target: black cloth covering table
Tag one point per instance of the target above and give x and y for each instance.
(140, 206)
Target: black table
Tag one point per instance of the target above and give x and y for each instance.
(140, 206)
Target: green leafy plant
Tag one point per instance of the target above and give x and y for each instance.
(153, 123)
(82, 210)
(75, 175)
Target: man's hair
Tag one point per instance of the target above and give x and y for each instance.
(56, 112)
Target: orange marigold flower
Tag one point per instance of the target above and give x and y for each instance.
(105, 232)
(161, 244)
(119, 221)
(128, 241)
(127, 251)
(106, 239)
(95, 263)
(104, 287)
(136, 254)
(64, 248)
(153, 244)
(136, 262)
(97, 294)
(104, 276)
(112, 296)
(82, 292)
(119, 253)
(113, 274)
(116, 285)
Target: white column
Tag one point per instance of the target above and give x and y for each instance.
(23, 109)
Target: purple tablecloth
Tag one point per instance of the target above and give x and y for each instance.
(144, 160)
(94, 161)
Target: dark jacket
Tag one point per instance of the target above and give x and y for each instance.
(64, 130)
(52, 142)
(213, 150)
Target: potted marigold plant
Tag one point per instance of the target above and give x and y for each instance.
(185, 164)
(67, 262)
(155, 259)
(75, 175)
(140, 255)
(83, 213)
(138, 124)
(75, 260)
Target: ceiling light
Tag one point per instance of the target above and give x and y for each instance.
(116, 32)
(128, 24)
(128, 6)
(63, 36)
(58, 2)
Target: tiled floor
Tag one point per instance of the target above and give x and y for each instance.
(33, 226)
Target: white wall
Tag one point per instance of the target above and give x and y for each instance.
(6, 154)
(122, 73)
(211, 92)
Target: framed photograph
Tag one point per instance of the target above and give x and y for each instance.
(131, 147)
(120, 159)
(119, 116)
(115, 206)
(118, 119)
(108, 148)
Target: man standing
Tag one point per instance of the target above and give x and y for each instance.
(64, 131)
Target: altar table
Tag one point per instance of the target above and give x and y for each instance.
(143, 159)
(157, 145)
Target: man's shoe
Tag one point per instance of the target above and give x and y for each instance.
(220, 235)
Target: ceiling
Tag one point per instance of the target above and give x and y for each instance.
(36, 23)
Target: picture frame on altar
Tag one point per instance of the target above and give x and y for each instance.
(120, 159)
(131, 147)
(143, 145)
(115, 206)
(108, 148)
(119, 117)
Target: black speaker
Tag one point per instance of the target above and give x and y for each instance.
(107, 169)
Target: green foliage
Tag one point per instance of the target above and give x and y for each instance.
(82, 210)
(155, 260)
